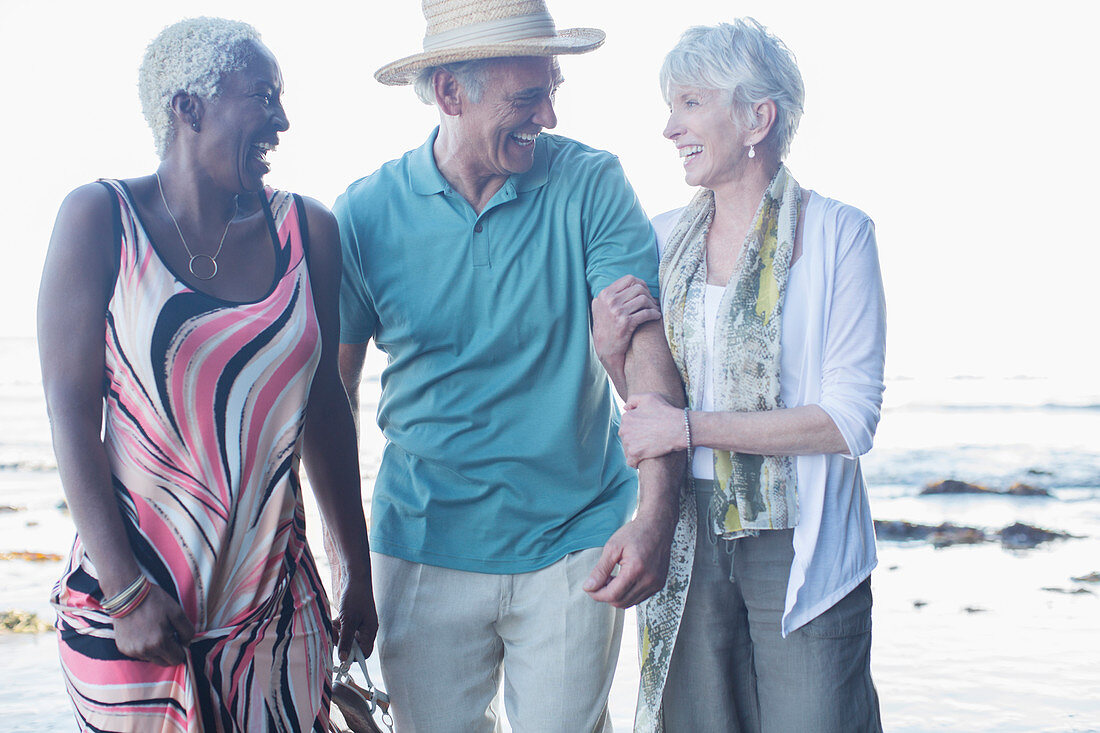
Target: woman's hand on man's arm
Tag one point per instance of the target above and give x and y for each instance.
(651, 427)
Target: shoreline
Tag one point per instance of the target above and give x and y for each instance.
(966, 637)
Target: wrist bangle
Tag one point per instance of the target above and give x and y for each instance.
(136, 601)
(687, 432)
(128, 599)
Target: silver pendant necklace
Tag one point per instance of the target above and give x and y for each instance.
(207, 265)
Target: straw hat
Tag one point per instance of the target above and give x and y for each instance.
(464, 30)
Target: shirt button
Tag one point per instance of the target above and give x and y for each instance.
(477, 227)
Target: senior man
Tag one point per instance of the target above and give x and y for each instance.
(500, 509)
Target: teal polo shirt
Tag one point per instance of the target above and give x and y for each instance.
(502, 450)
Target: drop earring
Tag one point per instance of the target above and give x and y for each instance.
(752, 151)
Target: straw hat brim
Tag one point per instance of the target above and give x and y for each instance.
(568, 41)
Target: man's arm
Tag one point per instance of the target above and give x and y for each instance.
(641, 547)
(351, 359)
(358, 320)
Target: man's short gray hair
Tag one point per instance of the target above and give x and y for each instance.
(190, 56)
(471, 75)
(747, 63)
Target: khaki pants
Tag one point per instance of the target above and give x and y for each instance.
(448, 636)
(731, 669)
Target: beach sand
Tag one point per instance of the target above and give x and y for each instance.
(988, 650)
(966, 638)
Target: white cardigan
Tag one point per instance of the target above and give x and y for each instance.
(831, 355)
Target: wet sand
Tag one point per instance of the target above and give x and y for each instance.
(966, 638)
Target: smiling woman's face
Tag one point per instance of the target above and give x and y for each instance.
(710, 144)
(242, 123)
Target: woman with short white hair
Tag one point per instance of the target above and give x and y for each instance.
(193, 314)
(773, 308)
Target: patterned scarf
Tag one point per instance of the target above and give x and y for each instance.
(751, 492)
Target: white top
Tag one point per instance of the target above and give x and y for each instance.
(831, 355)
(702, 461)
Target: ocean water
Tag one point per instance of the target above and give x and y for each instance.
(966, 638)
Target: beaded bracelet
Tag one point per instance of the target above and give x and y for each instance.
(129, 598)
(687, 432)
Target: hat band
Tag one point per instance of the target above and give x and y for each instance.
(516, 28)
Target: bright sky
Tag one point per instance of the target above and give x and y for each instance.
(963, 128)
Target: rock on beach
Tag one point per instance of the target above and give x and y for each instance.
(1017, 536)
(31, 556)
(943, 535)
(951, 486)
(1023, 536)
(1021, 489)
(22, 622)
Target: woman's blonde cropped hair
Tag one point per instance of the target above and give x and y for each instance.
(747, 63)
(190, 56)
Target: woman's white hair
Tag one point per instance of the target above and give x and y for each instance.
(190, 56)
(747, 63)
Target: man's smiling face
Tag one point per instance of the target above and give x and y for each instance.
(498, 132)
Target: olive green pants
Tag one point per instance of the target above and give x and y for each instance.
(732, 670)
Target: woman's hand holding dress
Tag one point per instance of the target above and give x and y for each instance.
(157, 631)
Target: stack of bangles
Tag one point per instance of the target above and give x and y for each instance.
(124, 602)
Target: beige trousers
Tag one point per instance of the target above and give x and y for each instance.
(447, 637)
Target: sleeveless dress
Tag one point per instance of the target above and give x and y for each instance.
(205, 404)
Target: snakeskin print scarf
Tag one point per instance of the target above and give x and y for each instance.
(751, 492)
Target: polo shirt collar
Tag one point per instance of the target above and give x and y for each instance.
(539, 171)
(424, 176)
(426, 180)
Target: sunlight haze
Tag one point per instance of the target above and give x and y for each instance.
(956, 126)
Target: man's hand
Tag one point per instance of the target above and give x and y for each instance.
(616, 313)
(640, 549)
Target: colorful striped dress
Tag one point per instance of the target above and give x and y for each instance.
(205, 403)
